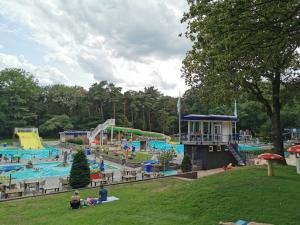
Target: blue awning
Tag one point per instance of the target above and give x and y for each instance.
(198, 117)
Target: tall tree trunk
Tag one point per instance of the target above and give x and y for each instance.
(143, 118)
(114, 108)
(124, 109)
(149, 120)
(101, 111)
(132, 119)
(276, 121)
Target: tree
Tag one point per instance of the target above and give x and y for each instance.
(186, 165)
(244, 46)
(80, 171)
(19, 93)
(98, 95)
(55, 125)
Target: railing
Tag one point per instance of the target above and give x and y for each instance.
(209, 138)
(101, 127)
(36, 130)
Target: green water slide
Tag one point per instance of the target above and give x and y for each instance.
(140, 132)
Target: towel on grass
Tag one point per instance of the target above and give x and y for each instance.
(111, 199)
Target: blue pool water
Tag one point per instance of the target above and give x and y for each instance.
(249, 148)
(30, 154)
(160, 145)
(47, 169)
(169, 172)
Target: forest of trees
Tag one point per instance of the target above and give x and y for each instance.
(25, 103)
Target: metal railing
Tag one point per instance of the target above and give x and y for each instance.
(101, 127)
(209, 138)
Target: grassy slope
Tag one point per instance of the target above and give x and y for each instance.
(246, 194)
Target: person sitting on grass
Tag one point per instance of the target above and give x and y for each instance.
(75, 200)
(102, 193)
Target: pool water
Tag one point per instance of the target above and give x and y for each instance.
(160, 145)
(249, 148)
(169, 172)
(30, 154)
(47, 169)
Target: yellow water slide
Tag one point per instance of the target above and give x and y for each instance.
(30, 140)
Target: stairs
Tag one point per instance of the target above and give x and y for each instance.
(101, 127)
(236, 155)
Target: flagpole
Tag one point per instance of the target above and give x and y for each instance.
(179, 118)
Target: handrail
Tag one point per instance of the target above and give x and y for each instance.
(101, 127)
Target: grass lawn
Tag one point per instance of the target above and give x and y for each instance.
(238, 194)
(139, 158)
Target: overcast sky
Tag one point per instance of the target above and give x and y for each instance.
(133, 43)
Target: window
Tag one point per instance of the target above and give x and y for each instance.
(211, 148)
(219, 148)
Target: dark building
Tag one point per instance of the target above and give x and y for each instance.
(211, 141)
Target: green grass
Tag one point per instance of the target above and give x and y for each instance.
(238, 194)
(139, 158)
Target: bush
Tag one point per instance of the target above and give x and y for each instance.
(80, 171)
(76, 141)
(186, 165)
(165, 157)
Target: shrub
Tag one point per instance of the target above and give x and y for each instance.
(165, 157)
(76, 141)
(80, 171)
(186, 164)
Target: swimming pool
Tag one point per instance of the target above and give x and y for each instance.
(169, 172)
(160, 145)
(47, 169)
(249, 148)
(30, 154)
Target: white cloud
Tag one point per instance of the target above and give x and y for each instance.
(46, 75)
(131, 43)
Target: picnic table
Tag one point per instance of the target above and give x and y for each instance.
(55, 189)
(147, 174)
(31, 183)
(108, 175)
(14, 191)
(95, 181)
(129, 177)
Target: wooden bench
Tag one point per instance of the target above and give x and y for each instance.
(15, 191)
(128, 177)
(95, 181)
(52, 189)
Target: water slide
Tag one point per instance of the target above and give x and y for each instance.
(140, 132)
(30, 140)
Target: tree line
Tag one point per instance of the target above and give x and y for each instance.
(25, 103)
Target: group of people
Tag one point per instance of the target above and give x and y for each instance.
(125, 155)
(76, 201)
(5, 157)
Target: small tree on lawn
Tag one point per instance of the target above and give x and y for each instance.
(186, 164)
(80, 171)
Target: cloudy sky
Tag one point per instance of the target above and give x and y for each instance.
(133, 43)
